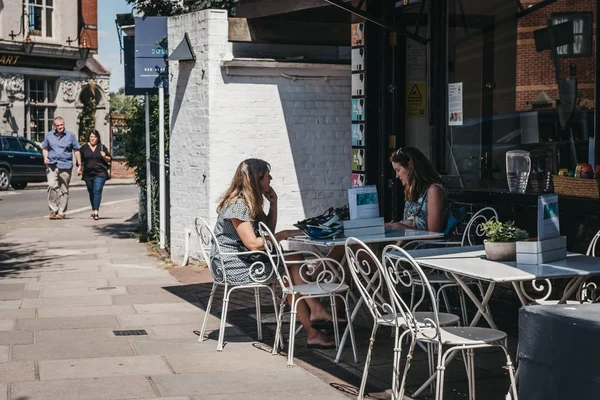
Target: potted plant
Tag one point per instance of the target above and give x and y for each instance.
(502, 238)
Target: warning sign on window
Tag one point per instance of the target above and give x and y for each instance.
(416, 99)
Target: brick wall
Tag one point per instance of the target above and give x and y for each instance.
(119, 170)
(535, 71)
(224, 111)
(89, 15)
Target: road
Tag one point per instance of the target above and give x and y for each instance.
(18, 205)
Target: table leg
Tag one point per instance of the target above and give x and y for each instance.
(520, 294)
(481, 305)
(572, 287)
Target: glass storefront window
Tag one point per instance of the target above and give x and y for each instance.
(509, 97)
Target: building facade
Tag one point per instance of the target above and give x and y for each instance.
(47, 66)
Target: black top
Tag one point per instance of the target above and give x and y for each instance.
(94, 165)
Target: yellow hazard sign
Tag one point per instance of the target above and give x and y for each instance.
(416, 99)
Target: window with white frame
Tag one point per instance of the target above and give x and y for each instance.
(40, 15)
(582, 34)
(41, 95)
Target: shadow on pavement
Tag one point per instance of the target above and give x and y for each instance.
(18, 258)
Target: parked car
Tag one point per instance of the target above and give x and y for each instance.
(21, 162)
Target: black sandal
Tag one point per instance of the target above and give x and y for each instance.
(96, 217)
(92, 216)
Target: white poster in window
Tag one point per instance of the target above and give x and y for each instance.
(548, 223)
(358, 59)
(455, 103)
(363, 202)
(358, 84)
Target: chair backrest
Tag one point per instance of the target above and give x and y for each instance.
(327, 274)
(208, 241)
(474, 233)
(401, 270)
(365, 268)
(591, 251)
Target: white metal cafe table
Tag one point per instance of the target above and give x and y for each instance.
(470, 262)
(390, 235)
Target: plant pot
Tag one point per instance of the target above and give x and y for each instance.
(500, 251)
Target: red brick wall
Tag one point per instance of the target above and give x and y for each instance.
(119, 170)
(535, 71)
(89, 17)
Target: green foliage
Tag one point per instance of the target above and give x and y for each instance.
(167, 8)
(497, 231)
(121, 104)
(135, 139)
(87, 117)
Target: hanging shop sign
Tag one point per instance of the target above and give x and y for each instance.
(151, 53)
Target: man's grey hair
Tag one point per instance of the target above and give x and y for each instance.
(59, 118)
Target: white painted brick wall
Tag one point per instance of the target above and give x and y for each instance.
(225, 115)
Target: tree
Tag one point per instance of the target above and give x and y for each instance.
(153, 8)
(121, 104)
(87, 117)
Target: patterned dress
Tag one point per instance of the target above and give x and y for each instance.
(418, 209)
(239, 270)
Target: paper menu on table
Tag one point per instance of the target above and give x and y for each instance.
(548, 225)
(363, 202)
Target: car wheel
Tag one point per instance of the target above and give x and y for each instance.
(4, 179)
(19, 185)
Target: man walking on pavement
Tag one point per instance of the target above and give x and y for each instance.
(57, 148)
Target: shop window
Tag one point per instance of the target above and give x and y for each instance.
(41, 95)
(582, 34)
(40, 15)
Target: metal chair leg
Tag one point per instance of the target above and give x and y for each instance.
(207, 313)
(291, 340)
(223, 318)
(363, 383)
(336, 329)
(351, 328)
(278, 335)
(258, 313)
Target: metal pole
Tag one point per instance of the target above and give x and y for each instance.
(161, 155)
(148, 173)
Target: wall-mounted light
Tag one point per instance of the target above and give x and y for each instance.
(28, 44)
(84, 49)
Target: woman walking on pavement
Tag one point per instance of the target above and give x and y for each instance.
(95, 158)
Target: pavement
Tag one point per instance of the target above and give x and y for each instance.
(76, 181)
(67, 285)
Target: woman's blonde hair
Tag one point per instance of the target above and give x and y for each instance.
(245, 185)
(421, 172)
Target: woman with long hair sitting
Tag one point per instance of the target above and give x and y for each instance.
(240, 210)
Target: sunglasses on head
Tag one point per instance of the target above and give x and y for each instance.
(399, 151)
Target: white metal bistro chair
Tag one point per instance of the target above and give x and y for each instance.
(364, 266)
(587, 292)
(219, 274)
(399, 269)
(322, 278)
(472, 235)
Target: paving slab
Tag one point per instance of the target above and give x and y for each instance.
(54, 312)
(320, 394)
(152, 288)
(15, 337)
(10, 304)
(169, 308)
(76, 335)
(7, 325)
(95, 321)
(187, 345)
(71, 350)
(137, 273)
(3, 391)
(242, 382)
(68, 284)
(155, 280)
(20, 313)
(164, 297)
(17, 371)
(83, 291)
(103, 367)
(11, 287)
(228, 360)
(4, 354)
(17, 295)
(119, 388)
(161, 319)
(104, 300)
(192, 330)
(70, 276)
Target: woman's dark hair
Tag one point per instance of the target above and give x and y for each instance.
(95, 133)
(421, 172)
